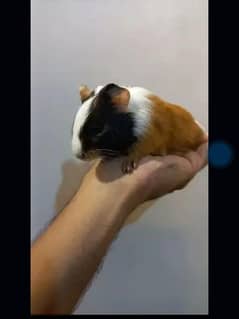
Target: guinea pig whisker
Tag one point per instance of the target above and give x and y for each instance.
(108, 152)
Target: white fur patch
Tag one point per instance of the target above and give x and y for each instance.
(80, 118)
(98, 88)
(140, 106)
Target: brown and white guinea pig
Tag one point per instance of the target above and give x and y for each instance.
(117, 121)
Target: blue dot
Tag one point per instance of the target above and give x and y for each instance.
(220, 154)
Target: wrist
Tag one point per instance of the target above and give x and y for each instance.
(115, 197)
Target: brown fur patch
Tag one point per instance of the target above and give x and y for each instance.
(172, 131)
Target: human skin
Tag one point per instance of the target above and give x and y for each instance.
(65, 257)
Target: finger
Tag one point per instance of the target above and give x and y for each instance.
(205, 135)
(205, 138)
(202, 151)
(198, 158)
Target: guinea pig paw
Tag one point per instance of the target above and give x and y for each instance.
(128, 166)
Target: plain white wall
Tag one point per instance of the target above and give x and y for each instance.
(158, 264)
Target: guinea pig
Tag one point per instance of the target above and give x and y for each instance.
(133, 122)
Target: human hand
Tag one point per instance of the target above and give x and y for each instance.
(159, 176)
(154, 177)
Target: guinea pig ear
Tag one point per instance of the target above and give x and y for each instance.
(85, 93)
(115, 96)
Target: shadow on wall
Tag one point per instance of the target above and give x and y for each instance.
(72, 175)
(73, 172)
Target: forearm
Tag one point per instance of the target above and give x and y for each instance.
(65, 258)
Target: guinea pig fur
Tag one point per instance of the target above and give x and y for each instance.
(134, 122)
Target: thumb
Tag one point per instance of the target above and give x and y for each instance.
(202, 152)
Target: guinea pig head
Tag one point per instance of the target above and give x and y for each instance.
(103, 125)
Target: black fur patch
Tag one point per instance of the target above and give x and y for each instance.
(106, 128)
